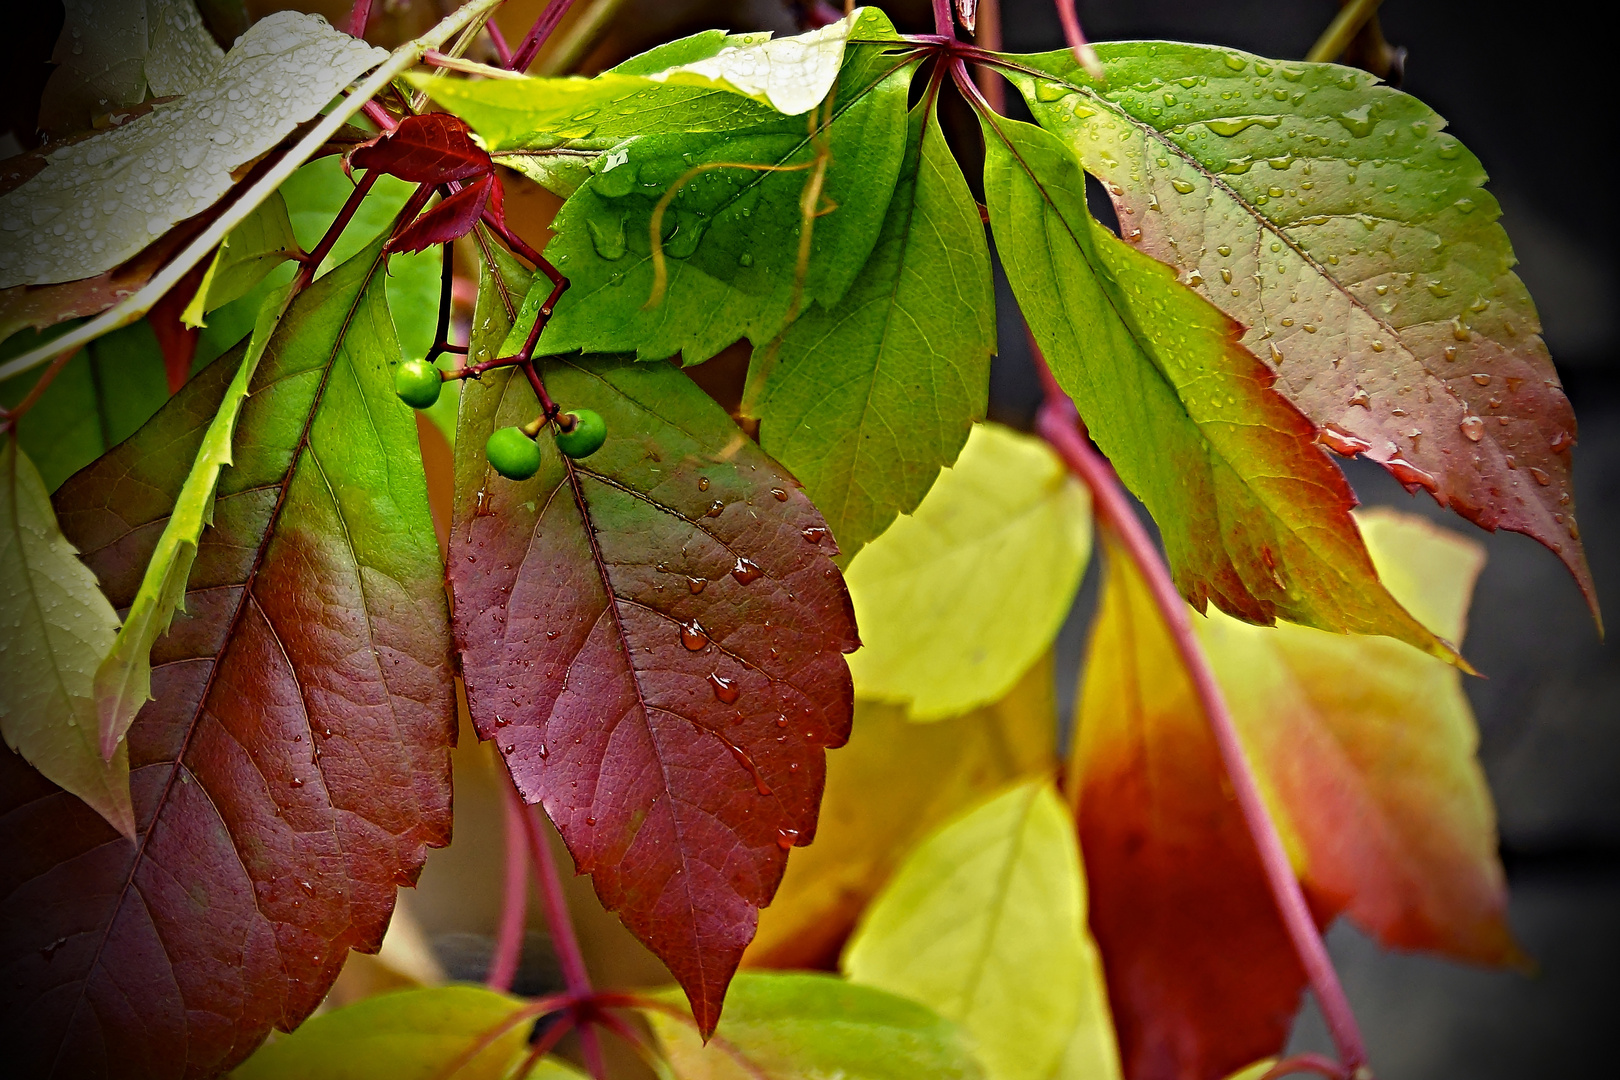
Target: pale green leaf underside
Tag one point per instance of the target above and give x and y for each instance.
(799, 1026)
(1354, 240)
(406, 1035)
(866, 401)
(55, 626)
(956, 601)
(984, 923)
(123, 681)
(99, 201)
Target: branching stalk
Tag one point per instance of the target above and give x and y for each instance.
(1345, 25)
(1059, 424)
(532, 42)
(514, 902)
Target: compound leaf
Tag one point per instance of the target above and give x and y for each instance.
(1365, 261)
(1253, 514)
(865, 401)
(101, 200)
(985, 923)
(55, 626)
(653, 637)
(407, 1035)
(295, 762)
(957, 601)
(801, 1026)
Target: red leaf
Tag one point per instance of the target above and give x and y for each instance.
(177, 340)
(1202, 979)
(431, 149)
(654, 637)
(294, 764)
(453, 217)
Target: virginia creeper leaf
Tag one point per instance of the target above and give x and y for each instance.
(886, 791)
(123, 681)
(730, 235)
(865, 402)
(100, 201)
(114, 53)
(680, 86)
(55, 626)
(1366, 263)
(406, 1035)
(957, 601)
(1253, 514)
(653, 637)
(1201, 976)
(263, 241)
(985, 922)
(802, 1027)
(1365, 752)
(433, 148)
(294, 765)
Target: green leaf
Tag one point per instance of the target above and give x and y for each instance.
(100, 201)
(985, 923)
(812, 1026)
(406, 1035)
(123, 681)
(957, 601)
(731, 235)
(711, 81)
(261, 243)
(55, 626)
(99, 399)
(1366, 262)
(1253, 514)
(866, 401)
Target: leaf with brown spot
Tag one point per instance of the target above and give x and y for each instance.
(654, 638)
(294, 765)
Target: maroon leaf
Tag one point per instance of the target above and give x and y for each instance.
(177, 341)
(454, 217)
(431, 149)
(653, 636)
(294, 764)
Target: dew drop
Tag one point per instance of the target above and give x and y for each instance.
(703, 483)
(779, 495)
(1560, 442)
(1541, 476)
(1473, 427)
(693, 637)
(815, 534)
(1342, 442)
(745, 570)
(786, 838)
(695, 585)
(748, 763)
(714, 509)
(1482, 379)
(1361, 397)
(725, 689)
(1184, 187)
(551, 635)
(1410, 475)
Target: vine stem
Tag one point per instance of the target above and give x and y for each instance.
(514, 900)
(1084, 54)
(945, 19)
(1059, 424)
(561, 924)
(1345, 25)
(530, 46)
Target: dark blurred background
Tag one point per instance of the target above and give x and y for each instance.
(1525, 88)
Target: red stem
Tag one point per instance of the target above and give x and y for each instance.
(529, 47)
(1298, 1063)
(944, 19)
(1058, 423)
(503, 51)
(514, 899)
(359, 15)
(561, 924)
(1084, 54)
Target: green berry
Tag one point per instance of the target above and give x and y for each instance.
(585, 433)
(512, 453)
(418, 383)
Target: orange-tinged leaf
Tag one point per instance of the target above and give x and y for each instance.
(887, 789)
(1365, 752)
(1201, 977)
